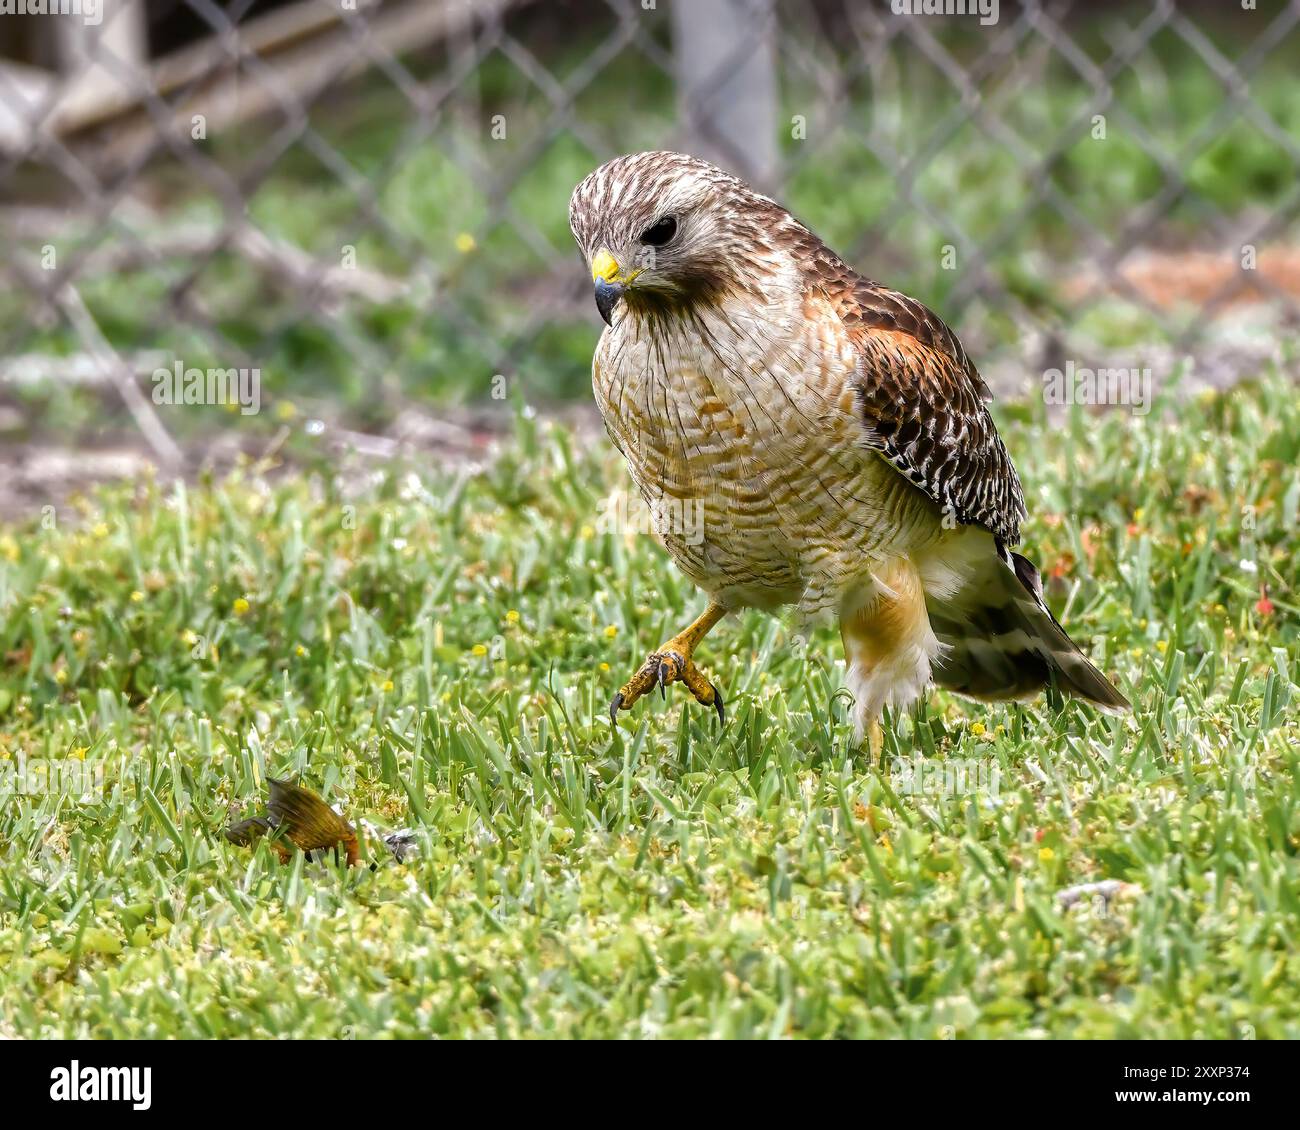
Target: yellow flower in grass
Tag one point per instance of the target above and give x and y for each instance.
(512, 617)
(611, 631)
(478, 650)
(977, 728)
(387, 687)
(240, 607)
(465, 243)
(1046, 855)
(137, 596)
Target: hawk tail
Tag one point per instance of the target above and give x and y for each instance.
(1000, 641)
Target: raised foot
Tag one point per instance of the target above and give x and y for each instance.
(668, 665)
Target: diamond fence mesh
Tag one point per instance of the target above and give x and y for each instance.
(367, 202)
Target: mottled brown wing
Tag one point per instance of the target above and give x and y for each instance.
(923, 402)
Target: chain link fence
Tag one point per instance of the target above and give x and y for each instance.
(366, 202)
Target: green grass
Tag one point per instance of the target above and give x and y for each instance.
(441, 658)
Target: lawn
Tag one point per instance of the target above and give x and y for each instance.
(437, 651)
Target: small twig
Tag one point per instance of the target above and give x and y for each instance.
(120, 375)
(299, 269)
(77, 369)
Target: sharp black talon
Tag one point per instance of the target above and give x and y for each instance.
(613, 707)
(719, 705)
(662, 679)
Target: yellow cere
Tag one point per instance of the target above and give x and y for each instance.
(604, 266)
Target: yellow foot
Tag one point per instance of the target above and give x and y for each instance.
(875, 741)
(672, 663)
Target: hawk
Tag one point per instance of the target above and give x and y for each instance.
(805, 436)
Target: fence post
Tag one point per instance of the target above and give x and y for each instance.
(104, 62)
(724, 54)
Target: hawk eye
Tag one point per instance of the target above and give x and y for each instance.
(660, 232)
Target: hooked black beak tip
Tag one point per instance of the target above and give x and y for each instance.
(607, 294)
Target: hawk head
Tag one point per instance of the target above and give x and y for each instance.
(663, 231)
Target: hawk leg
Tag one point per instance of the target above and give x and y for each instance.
(875, 741)
(672, 663)
(889, 646)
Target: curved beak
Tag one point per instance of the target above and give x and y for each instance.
(610, 284)
(607, 294)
